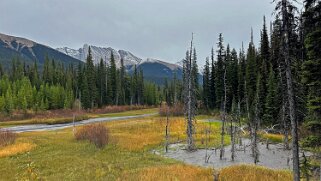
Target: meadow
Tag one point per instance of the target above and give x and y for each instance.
(56, 155)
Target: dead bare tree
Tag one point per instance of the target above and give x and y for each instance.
(167, 130)
(207, 132)
(239, 122)
(254, 127)
(286, 25)
(285, 128)
(190, 98)
(234, 117)
(283, 111)
(223, 115)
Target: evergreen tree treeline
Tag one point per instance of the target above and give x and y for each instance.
(57, 87)
(261, 71)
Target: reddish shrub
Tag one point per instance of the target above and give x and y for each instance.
(175, 110)
(95, 133)
(7, 137)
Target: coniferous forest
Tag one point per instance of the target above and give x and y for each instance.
(270, 87)
(24, 87)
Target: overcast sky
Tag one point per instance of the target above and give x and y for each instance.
(148, 28)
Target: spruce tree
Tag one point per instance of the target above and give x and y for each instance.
(241, 80)
(212, 91)
(251, 74)
(219, 73)
(264, 65)
(113, 79)
(122, 83)
(311, 70)
(206, 84)
(272, 100)
(85, 94)
(90, 75)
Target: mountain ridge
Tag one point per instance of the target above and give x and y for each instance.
(29, 51)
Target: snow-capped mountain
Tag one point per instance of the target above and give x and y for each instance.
(71, 52)
(28, 51)
(154, 70)
(99, 53)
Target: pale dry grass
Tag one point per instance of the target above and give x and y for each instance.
(169, 172)
(16, 149)
(251, 172)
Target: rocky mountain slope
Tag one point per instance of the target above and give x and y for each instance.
(29, 51)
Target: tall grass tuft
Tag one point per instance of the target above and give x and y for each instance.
(94, 133)
(7, 137)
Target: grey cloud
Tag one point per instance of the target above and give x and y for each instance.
(148, 28)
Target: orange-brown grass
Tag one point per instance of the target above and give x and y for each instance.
(95, 133)
(169, 172)
(7, 137)
(251, 172)
(16, 149)
(146, 133)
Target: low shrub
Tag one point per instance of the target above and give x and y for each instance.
(311, 141)
(175, 110)
(94, 133)
(7, 137)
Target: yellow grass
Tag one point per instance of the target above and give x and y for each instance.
(273, 137)
(251, 172)
(15, 149)
(169, 172)
(58, 156)
(135, 135)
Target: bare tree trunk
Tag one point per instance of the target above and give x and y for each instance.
(167, 131)
(256, 150)
(206, 145)
(285, 129)
(223, 117)
(254, 127)
(190, 140)
(290, 92)
(232, 140)
(239, 121)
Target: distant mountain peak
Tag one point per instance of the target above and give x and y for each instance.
(104, 53)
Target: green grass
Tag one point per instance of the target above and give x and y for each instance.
(58, 156)
(204, 117)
